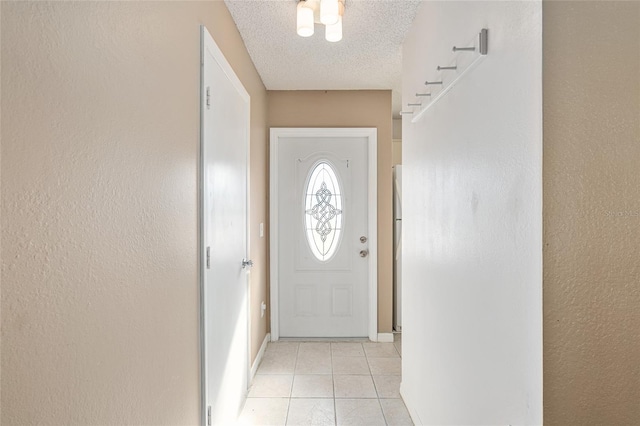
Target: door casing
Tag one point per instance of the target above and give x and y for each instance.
(371, 134)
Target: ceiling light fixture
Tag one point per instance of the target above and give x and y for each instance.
(327, 12)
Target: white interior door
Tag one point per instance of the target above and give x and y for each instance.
(225, 141)
(323, 236)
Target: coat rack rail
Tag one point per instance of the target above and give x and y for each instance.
(483, 47)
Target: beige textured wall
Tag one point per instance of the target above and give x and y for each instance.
(591, 213)
(100, 102)
(365, 108)
(397, 141)
(396, 155)
(397, 128)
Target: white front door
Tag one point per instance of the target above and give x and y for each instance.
(323, 236)
(225, 141)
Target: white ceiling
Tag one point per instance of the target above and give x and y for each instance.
(368, 56)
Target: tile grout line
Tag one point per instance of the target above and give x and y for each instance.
(335, 409)
(374, 386)
(293, 378)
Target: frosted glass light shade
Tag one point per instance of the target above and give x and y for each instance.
(334, 32)
(329, 12)
(305, 20)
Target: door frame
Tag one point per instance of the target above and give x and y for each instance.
(207, 43)
(372, 147)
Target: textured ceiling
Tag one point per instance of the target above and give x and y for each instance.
(368, 56)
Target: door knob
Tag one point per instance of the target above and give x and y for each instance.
(364, 253)
(246, 263)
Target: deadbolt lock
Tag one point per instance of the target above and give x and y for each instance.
(363, 239)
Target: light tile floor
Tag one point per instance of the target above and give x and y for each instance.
(327, 383)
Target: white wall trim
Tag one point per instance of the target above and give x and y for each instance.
(373, 232)
(274, 240)
(385, 337)
(372, 147)
(415, 418)
(256, 362)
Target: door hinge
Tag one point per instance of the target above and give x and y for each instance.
(208, 257)
(208, 97)
(209, 415)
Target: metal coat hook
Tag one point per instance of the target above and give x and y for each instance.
(423, 94)
(432, 82)
(483, 42)
(447, 68)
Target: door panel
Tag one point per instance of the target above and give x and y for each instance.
(225, 136)
(323, 296)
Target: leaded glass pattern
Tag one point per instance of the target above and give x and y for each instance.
(323, 211)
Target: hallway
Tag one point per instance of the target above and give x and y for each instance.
(327, 383)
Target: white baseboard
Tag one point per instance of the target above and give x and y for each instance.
(385, 337)
(410, 407)
(256, 363)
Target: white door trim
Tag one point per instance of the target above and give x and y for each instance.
(207, 43)
(372, 145)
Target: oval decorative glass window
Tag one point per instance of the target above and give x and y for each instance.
(323, 211)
